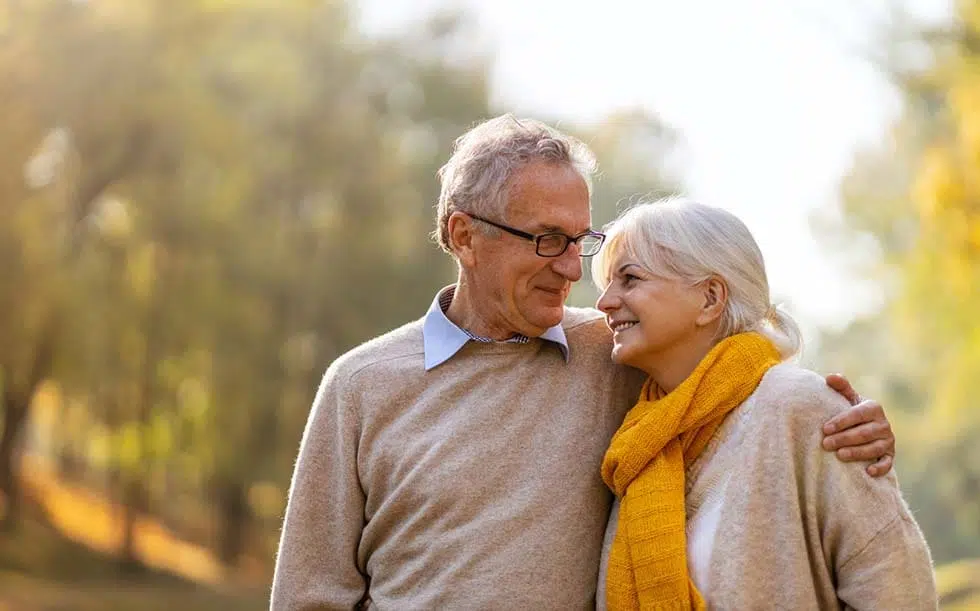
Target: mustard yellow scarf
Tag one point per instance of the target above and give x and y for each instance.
(645, 463)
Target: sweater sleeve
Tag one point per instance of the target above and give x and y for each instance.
(316, 566)
(893, 571)
(878, 555)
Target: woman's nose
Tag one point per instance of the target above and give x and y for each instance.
(608, 301)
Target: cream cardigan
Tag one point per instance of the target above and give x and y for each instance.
(786, 525)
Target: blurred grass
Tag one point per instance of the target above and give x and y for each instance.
(88, 518)
(23, 593)
(62, 556)
(959, 585)
(40, 570)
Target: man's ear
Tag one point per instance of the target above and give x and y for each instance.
(461, 236)
(714, 292)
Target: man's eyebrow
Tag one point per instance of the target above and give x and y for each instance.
(557, 229)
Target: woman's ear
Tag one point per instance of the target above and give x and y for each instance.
(715, 294)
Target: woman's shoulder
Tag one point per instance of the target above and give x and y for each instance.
(797, 395)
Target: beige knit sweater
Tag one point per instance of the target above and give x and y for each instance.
(795, 527)
(474, 485)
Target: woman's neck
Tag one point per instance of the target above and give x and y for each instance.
(670, 367)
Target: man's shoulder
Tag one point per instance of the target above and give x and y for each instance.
(404, 342)
(586, 330)
(590, 345)
(582, 318)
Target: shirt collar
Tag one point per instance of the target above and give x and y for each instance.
(441, 338)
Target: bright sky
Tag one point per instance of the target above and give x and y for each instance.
(770, 98)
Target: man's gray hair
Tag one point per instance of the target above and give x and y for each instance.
(476, 177)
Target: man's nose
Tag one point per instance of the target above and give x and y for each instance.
(569, 263)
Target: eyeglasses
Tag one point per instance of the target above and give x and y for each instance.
(553, 244)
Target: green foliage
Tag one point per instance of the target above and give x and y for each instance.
(216, 199)
(917, 197)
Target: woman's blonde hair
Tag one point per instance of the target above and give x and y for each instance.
(692, 242)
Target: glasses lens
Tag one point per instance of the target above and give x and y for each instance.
(552, 244)
(590, 245)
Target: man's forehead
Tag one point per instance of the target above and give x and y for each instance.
(547, 197)
(569, 215)
(570, 226)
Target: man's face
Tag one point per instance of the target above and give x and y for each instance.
(523, 292)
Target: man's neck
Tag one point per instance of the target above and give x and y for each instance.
(469, 313)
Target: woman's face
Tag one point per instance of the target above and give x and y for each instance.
(650, 314)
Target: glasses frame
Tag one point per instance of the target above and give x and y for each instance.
(569, 240)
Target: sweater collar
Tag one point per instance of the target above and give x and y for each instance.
(441, 338)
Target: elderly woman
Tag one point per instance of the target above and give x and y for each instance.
(724, 498)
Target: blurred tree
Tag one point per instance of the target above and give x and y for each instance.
(39, 187)
(209, 202)
(635, 150)
(271, 169)
(918, 195)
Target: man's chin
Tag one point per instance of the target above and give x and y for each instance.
(553, 300)
(548, 317)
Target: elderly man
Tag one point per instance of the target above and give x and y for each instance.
(453, 463)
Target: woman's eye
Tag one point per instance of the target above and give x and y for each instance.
(628, 279)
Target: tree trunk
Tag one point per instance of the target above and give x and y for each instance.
(134, 503)
(71, 466)
(14, 417)
(137, 500)
(235, 519)
(16, 407)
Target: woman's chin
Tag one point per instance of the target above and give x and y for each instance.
(620, 356)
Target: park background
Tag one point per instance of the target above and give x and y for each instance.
(204, 202)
